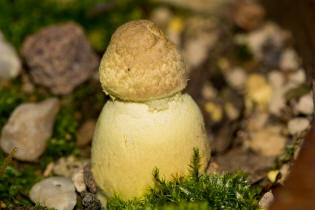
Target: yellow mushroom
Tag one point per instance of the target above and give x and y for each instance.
(150, 124)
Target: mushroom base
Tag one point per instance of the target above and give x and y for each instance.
(131, 139)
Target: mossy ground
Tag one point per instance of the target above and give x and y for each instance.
(196, 191)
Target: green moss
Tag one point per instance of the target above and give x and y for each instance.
(62, 143)
(9, 99)
(229, 191)
(15, 184)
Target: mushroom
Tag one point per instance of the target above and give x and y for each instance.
(148, 122)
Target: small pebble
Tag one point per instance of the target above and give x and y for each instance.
(10, 64)
(68, 166)
(78, 181)
(289, 60)
(236, 78)
(268, 141)
(305, 105)
(90, 201)
(266, 200)
(258, 91)
(28, 129)
(298, 125)
(54, 192)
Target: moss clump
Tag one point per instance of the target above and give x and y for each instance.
(62, 143)
(15, 184)
(9, 100)
(229, 191)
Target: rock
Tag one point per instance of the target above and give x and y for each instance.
(78, 181)
(266, 200)
(257, 121)
(90, 201)
(305, 105)
(258, 91)
(89, 179)
(289, 60)
(298, 125)
(284, 171)
(54, 192)
(215, 111)
(28, 129)
(231, 111)
(161, 16)
(10, 64)
(68, 166)
(270, 34)
(296, 78)
(268, 141)
(248, 14)
(236, 78)
(208, 91)
(200, 36)
(60, 57)
(85, 133)
(277, 100)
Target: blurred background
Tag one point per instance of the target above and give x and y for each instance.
(245, 75)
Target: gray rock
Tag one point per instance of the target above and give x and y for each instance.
(89, 179)
(54, 192)
(298, 125)
(266, 200)
(305, 104)
(90, 201)
(10, 64)
(60, 57)
(28, 129)
(68, 166)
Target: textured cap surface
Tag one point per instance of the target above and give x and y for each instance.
(141, 64)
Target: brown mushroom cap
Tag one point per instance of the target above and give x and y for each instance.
(141, 64)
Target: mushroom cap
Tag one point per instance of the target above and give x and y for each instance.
(141, 64)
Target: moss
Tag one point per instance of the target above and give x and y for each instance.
(9, 100)
(196, 191)
(15, 184)
(62, 143)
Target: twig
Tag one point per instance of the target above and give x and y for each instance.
(7, 161)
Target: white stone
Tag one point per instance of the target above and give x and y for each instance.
(10, 64)
(257, 38)
(289, 60)
(54, 192)
(298, 125)
(28, 129)
(78, 181)
(268, 141)
(236, 78)
(266, 200)
(305, 105)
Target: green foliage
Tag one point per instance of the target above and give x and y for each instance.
(62, 143)
(229, 191)
(9, 100)
(15, 184)
(20, 18)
